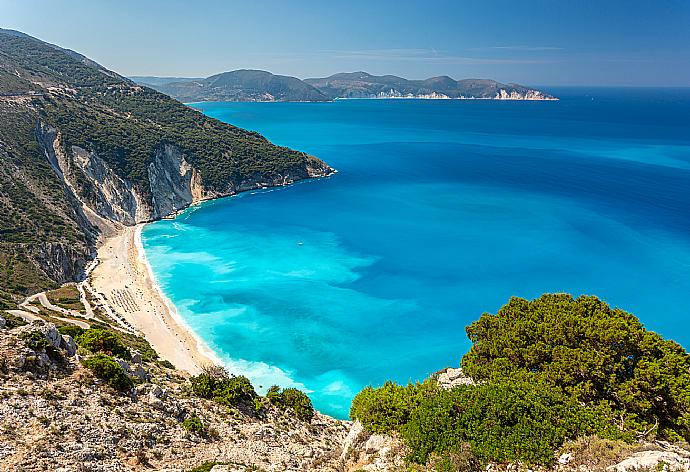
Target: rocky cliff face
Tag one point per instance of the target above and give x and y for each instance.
(174, 183)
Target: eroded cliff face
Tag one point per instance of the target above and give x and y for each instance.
(174, 182)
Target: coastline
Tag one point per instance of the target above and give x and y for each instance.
(125, 279)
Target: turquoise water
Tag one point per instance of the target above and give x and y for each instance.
(441, 210)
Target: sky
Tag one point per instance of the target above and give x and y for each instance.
(534, 42)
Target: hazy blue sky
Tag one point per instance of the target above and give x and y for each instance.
(600, 42)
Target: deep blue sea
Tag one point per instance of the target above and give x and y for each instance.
(440, 210)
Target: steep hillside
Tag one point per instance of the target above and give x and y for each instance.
(364, 85)
(243, 86)
(81, 147)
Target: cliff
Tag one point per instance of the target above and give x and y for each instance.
(252, 86)
(83, 148)
(364, 85)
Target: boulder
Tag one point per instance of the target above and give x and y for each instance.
(136, 357)
(140, 373)
(68, 345)
(652, 460)
(449, 378)
(123, 363)
(3, 323)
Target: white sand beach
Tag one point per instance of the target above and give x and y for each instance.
(123, 277)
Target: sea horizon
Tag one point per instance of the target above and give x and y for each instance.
(244, 313)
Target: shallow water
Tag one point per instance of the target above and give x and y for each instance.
(441, 210)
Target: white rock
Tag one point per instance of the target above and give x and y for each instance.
(449, 378)
(353, 436)
(3, 323)
(565, 458)
(651, 459)
(375, 443)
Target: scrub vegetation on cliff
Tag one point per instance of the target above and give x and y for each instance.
(545, 371)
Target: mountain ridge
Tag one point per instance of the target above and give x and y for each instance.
(256, 85)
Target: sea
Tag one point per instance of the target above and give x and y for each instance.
(441, 210)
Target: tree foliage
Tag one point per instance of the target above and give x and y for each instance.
(291, 398)
(596, 354)
(100, 340)
(218, 385)
(105, 367)
(546, 371)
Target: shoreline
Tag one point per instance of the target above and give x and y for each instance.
(125, 279)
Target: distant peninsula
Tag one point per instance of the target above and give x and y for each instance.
(262, 86)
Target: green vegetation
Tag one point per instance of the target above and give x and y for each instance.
(100, 340)
(193, 424)
(501, 422)
(37, 341)
(387, 408)
(237, 392)
(13, 321)
(218, 385)
(105, 367)
(595, 354)
(71, 330)
(549, 370)
(206, 466)
(294, 399)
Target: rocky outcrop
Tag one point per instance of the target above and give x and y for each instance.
(174, 183)
(61, 262)
(449, 378)
(675, 460)
(55, 416)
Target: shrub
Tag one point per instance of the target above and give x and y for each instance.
(105, 367)
(99, 340)
(228, 390)
(167, 364)
(194, 424)
(387, 408)
(596, 354)
(71, 330)
(291, 398)
(13, 321)
(206, 466)
(523, 422)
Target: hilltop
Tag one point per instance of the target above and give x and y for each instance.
(83, 148)
(240, 86)
(256, 85)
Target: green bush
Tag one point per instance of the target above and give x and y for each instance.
(206, 466)
(387, 408)
(596, 354)
(105, 367)
(227, 390)
(71, 330)
(13, 321)
(506, 422)
(167, 364)
(294, 399)
(194, 424)
(99, 340)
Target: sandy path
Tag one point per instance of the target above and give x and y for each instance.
(124, 279)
